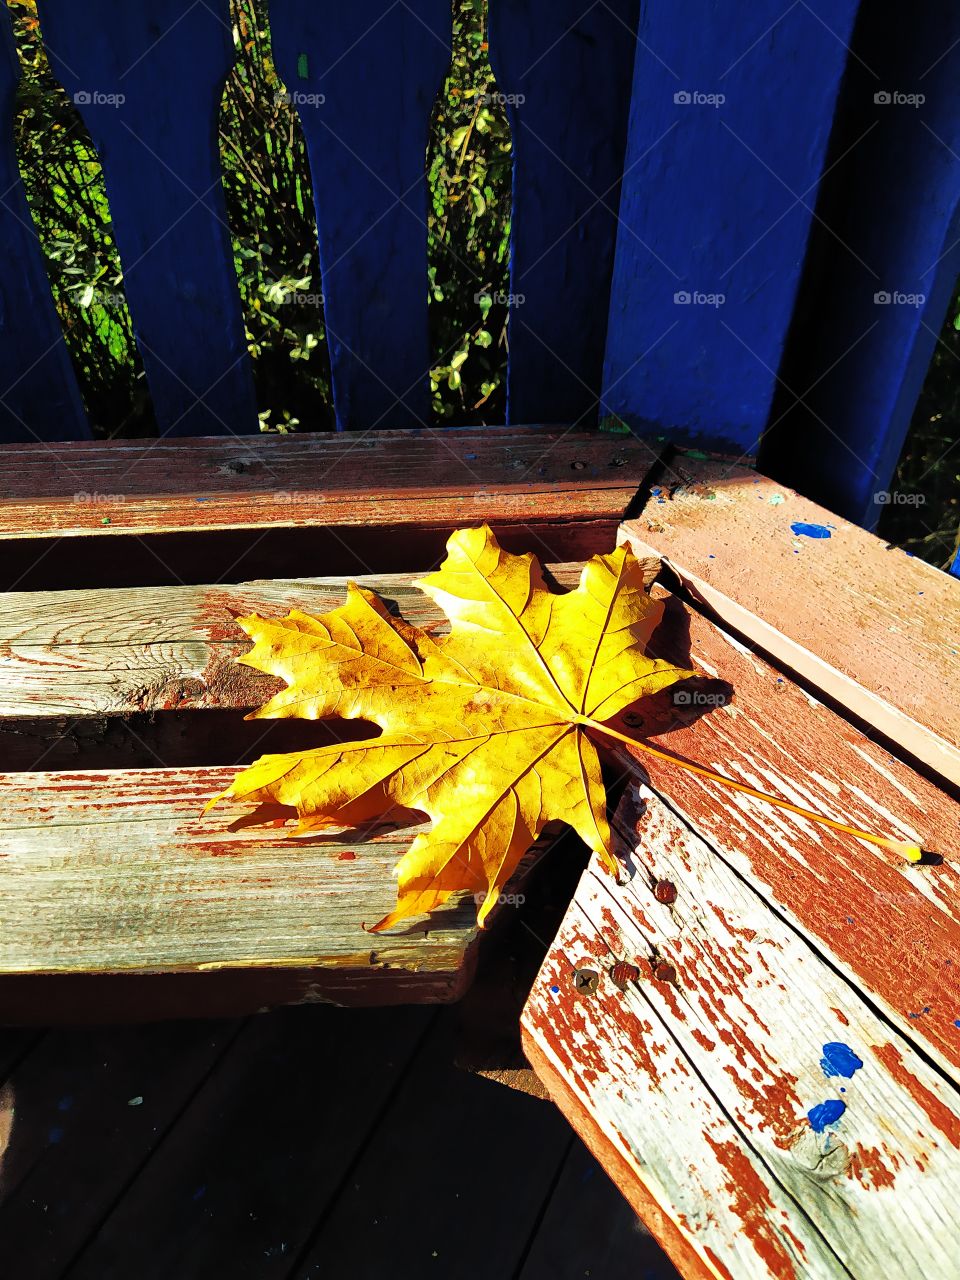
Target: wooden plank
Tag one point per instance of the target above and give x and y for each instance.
(405, 1211)
(40, 399)
(245, 1163)
(148, 83)
(83, 674)
(588, 1229)
(188, 511)
(119, 873)
(703, 1085)
(876, 630)
(364, 79)
(89, 1108)
(884, 265)
(551, 60)
(892, 927)
(729, 130)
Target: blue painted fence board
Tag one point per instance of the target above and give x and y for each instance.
(565, 69)
(39, 398)
(148, 80)
(892, 206)
(729, 122)
(364, 79)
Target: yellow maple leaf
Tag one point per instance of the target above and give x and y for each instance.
(486, 730)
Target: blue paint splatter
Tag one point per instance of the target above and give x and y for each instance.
(825, 1113)
(804, 530)
(956, 1022)
(199, 1194)
(839, 1060)
(54, 1136)
(554, 989)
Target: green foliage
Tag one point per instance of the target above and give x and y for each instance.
(926, 518)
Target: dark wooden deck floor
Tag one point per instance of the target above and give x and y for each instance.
(307, 1143)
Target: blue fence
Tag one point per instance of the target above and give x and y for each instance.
(734, 226)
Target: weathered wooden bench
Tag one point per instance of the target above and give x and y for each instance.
(758, 1032)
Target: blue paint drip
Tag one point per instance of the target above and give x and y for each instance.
(825, 1113)
(804, 530)
(839, 1060)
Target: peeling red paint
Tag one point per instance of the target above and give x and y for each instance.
(867, 1167)
(944, 1120)
(841, 1016)
(752, 1204)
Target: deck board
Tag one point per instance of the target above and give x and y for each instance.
(78, 1135)
(875, 629)
(264, 1156)
(261, 1149)
(482, 1181)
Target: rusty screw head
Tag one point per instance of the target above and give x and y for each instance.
(586, 981)
(664, 972)
(623, 973)
(665, 891)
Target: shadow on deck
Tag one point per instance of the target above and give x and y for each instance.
(309, 1142)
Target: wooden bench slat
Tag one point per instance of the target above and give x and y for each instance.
(135, 513)
(695, 1090)
(873, 628)
(119, 872)
(378, 477)
(892, 926)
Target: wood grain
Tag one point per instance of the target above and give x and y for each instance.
(83, 677)
(699, 1086)
(134, 513)
(873, 628)
(120, 873)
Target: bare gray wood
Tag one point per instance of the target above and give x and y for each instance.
(121, 872)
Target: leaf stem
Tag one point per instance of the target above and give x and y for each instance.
(912, 852)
